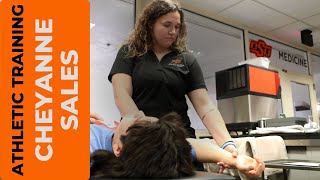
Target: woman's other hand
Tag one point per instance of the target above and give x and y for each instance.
(95, 117)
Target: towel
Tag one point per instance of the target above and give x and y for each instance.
(311, 127)
(281, 129)
(260, 147)
(270, 148)
(287, 129)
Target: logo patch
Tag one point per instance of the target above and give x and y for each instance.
(177, 63)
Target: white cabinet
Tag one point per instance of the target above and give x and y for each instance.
(307, 153)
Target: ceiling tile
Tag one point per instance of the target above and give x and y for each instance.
(313, 20)
(316, 46)
(291, 32)
(257, 16)
(211, 6)
(299, 9)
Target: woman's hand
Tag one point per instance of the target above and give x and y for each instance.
(95, 117)
(232, 149)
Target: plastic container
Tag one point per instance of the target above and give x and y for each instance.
(260, 61)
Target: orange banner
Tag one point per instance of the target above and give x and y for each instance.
(44, 78)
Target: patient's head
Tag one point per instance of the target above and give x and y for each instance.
(150, 149)
(122, 128)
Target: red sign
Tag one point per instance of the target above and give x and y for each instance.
(260, 48)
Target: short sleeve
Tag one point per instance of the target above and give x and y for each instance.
(195, 78)
(122, 64)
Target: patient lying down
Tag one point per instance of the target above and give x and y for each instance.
(151, 148)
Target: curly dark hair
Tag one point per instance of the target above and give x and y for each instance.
(140, 40)
(150, 150)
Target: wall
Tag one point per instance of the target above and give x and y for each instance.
(286, 86)
(106, 38)
(286, 78)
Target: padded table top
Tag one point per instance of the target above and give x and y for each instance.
(199, 175)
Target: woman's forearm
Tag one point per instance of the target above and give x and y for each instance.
(122, 91)
(216, 126)
(210, 115)
(125, 103)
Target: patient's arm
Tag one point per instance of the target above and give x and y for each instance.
(209, 152)
(95, 117)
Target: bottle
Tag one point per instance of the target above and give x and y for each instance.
(309, 124)
(310, 121)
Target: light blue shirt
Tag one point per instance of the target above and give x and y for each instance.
(100, 138)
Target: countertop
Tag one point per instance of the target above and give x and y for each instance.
(296, 139)
(290, 139)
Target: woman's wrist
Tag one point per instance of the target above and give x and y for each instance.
(228, 143)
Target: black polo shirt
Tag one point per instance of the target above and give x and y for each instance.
(159, 87)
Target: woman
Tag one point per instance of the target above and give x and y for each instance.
(149, 148)
(153, 72)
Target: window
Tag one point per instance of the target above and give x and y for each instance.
(216, 46)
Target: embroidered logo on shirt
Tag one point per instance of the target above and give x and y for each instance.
(176, 62)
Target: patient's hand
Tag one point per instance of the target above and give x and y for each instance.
(249, 166)
(234, 152)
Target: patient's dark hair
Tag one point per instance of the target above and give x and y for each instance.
(150, 150)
